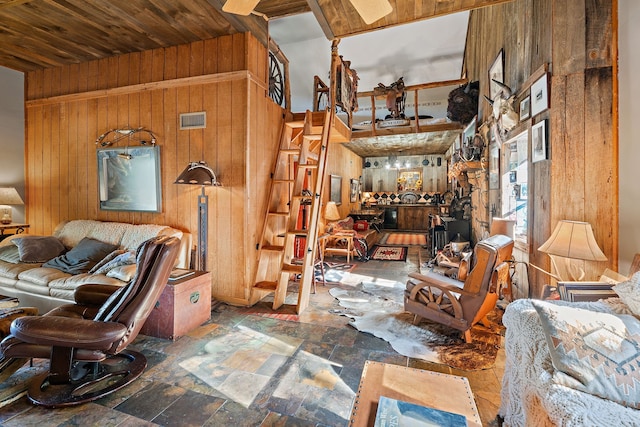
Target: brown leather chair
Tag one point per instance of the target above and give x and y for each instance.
(461, 305)
(86, 342)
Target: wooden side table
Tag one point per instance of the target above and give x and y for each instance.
(19, 228)
(339, 243)
(184, 305)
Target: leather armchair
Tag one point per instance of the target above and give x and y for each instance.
(461, 305)
(87, 342)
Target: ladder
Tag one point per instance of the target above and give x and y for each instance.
(288, 242)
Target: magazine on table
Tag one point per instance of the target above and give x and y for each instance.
(180, 273)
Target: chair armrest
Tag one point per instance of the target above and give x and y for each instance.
(94, 295)
(67, 332)
(441, 282)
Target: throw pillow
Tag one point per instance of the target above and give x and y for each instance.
(126, 258)
(106, 260)
(629, 293)
(80, 259)
(36, 249)
(598, 352)
(10, 254)
(123, 272)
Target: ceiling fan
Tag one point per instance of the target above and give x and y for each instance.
(369, 10)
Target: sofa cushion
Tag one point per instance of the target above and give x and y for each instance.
(87, 253)
(629, 293)
(41, 276)
(10, 254)
(70, 283)
(38, 249)
(597, 353)
(125, 258)
(123, 272)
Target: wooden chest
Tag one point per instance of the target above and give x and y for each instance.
(184, 305)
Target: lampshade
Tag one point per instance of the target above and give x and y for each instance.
(197, 173)
(9, 196)
(331, 212)
(573, 239)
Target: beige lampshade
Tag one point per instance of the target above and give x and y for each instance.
(9, 196)
(573, 239)
(331, 212)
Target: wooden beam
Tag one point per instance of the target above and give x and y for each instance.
(256, 25)
(321, 18)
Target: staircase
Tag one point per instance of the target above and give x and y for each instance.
(288, 242)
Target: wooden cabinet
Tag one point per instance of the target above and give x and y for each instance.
(414, 217)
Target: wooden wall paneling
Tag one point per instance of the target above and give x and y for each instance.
(223, 212)
(186, 201)
(63, 162)
(168, 139)
(146, 65)
(599, 38)
(210, 56)
(157, 65)
(71, 167)
(601, 166)
(87, 133)
(240, 216)
(569, 22)
(239, 55)
(225, 54)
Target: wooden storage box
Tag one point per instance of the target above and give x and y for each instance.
(184, 305)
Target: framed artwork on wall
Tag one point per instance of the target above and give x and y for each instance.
(335, 189)
(539, 141)
(525, 108)
(496, 72)
(354, 189)
(129, 179)
(539, 95)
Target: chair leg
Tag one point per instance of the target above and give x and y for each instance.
(467, 336)
(485, 322)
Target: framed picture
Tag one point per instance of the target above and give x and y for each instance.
(129, 179)
(335, 189)
(539, 96)
(496, 72)
(354, 189)
(585, 291)
(539, 141)
(525, 108)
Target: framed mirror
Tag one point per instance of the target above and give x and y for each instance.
(410, 180)
(335, 189)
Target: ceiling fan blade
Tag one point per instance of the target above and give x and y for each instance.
(240, 7)
(372, 10)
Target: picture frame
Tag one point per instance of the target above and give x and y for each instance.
(525, 108)
(129, 179)
(539, 95)
(539, 141)
(585, 291)
(468, 134)
(335, 189)
(354, 189)
(496, 72)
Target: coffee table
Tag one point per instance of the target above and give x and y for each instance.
(445, 392)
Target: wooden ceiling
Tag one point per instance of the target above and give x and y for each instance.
(37, 34)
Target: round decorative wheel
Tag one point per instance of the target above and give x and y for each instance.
(276, 82)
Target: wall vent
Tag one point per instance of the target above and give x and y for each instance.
(193, 120)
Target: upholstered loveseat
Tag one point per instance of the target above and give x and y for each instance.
(573, 364)
(364, 238)
(44, 271)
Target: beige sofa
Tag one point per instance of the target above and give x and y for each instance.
(39, 285)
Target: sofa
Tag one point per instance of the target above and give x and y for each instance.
(573, 363)
(44, 271)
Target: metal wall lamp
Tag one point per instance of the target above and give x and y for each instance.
(199, 173)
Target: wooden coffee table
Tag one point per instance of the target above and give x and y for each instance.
(449, 393)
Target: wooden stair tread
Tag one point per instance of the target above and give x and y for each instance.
(273, 248)
(292, 268)
(266, 285)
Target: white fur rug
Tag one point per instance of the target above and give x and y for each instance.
(378, 309)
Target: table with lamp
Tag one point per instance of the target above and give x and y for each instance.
(9, 197)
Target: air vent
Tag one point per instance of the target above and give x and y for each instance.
(193, 120)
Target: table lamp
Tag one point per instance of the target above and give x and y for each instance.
(331, 214)
(8, 196)
(572, 240)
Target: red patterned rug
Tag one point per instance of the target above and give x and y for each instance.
(411, 239)
(389, 253)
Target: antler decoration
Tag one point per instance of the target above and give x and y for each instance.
(112, 136)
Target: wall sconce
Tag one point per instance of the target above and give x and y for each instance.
(199, 173)
(8, 196)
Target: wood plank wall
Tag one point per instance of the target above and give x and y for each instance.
(579, 181)
(344, 162)
(68, 107)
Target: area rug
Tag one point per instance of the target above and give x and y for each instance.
(410, 239)
(379, 310)
(389, 253)
(334, 272)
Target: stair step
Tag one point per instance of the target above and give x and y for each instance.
(273, 248)
(281, 181)
(308, 165)
(292, 268)
(279, 213)
(290, 151)
(266, 285)
(298, 232)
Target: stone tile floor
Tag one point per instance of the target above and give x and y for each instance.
(245, 369)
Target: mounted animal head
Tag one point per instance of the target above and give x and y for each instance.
(502, 106)
(463, 102)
